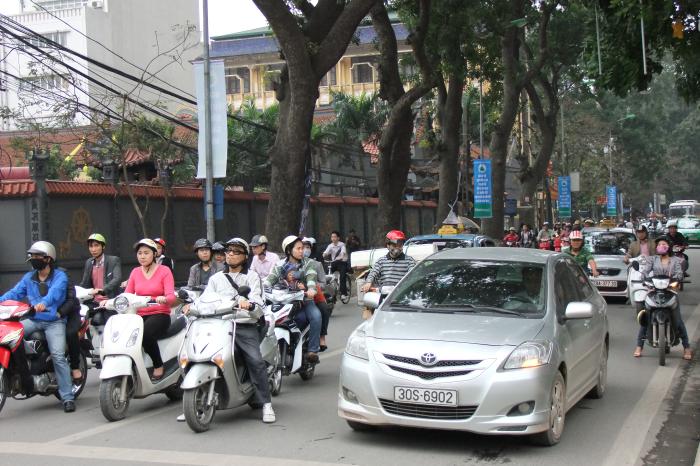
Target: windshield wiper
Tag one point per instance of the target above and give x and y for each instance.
(498, 310)
(405, 307)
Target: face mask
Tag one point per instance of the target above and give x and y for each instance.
(37, 264)
(307, 252)
(661, 249)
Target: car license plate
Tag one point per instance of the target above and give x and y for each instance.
(606, 283)
(425, 396)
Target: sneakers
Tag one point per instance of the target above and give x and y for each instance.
(268, 416)
(343, 297)
(181, 418)
(312, 357)
(68, 406)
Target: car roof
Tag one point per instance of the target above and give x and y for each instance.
(462, 236)
(497, 253)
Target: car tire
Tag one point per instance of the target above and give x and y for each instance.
(360, 427)
(599, 390)
(557, 415)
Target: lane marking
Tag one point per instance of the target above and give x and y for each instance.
(628, 447)
(138, 455)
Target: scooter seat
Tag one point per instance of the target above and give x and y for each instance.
(175, 327)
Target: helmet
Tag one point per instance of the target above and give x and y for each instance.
(258, 240)
(308, 240)
(642, 228)
(289, 241)
(201, 243)
(672, 223)
(576, 234)
(512, 229)
(218, 247)
(663, 238)
(44, 248)
(149, 243)
(545, 223)
(588, 220)
(97, 237)
(395, 236)
(160, 241)
(239, 242)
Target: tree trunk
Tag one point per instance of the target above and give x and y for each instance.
(449, 146)
(288, 161)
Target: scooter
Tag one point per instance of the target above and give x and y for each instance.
(635, 283)
(38, 356)
(292, 340)
(332, 286)
(126, 368)
(659, 304)
(215, 376)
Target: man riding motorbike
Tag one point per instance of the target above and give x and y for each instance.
(545, 236)
(225, 285)
(338, 255)
(582, 256)
(642, 247)
(511, 239)
(294, 251)
(102, 273)
(527, 236)
(665, 264)
(206, 267)
(161, 258)
(219, 251)
(263, 260)
(679, 243)
(45, 289)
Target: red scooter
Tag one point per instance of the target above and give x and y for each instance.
(37, 352)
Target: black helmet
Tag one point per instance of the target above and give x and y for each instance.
(218, 247)
(201, 243)
(663, 238)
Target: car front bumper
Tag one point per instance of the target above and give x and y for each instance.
(366, 395)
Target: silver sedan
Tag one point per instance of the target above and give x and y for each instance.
(485, 340)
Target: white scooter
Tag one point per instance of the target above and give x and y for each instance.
(126, 368)
(635, 283)
(291, 339)
(215, 375)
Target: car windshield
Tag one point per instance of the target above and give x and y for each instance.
(443, 243)
(513, 289)
(689, 223)
(611, 243)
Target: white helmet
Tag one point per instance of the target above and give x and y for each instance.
(309, 239)
(240, 242)
(44, 248)
(288, 241)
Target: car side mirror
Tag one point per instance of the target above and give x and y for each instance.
(578, 310)
(371, 299)
(635, 266)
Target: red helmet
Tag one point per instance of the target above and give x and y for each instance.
(395, 236)
(160, 241)
(576, 234)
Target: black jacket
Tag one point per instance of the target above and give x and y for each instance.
(113, 275)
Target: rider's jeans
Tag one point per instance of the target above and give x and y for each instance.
(680, 325)
(310, 313)
(56, 338)
(248, 343)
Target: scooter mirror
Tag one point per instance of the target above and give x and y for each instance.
(635, 266)
(182, 294)
(244, 291)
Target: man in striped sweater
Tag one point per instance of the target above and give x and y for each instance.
(388, 270)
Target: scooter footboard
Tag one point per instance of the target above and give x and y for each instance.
(639, 296)
(199, 374)
(115, 366)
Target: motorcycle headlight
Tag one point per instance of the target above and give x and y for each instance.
(11, 339)
(121, 303)
(357, 345)
(660, 283)
(529, 354)
(183, 360)
(218, 359)
(132, 338)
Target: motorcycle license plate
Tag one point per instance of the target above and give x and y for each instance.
(425, 396)
(606, 283)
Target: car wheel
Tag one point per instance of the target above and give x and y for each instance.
(599, 390)
(557, 414)
(360, 427)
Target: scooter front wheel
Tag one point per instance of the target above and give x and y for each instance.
(662, 344)
(113, 409)
(4, 386)
(198, 413)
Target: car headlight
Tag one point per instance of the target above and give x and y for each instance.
(132, 338)
(357, 344)
(529, 354)
(121, 303)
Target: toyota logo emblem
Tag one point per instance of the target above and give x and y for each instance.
(428, 359)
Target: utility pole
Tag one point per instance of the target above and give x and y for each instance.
(481, 121)
(467, 151)
(209, 184)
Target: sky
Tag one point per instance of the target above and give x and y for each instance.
(225, 16)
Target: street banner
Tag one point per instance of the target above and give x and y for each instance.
(483, 196)
(510, 207)
(575, 182)
(219, 128)
(611, 192)
(564, 196)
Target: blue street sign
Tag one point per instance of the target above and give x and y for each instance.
(483, 197)
(611, 192)
(564, 197)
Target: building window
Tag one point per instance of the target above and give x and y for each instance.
(271, 75)
(49, 81)
(407, 67)
(237, 80)
(363, 69)
(58, 4)
(330, 79)
(59, 37)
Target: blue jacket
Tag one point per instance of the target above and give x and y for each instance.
(28, 287)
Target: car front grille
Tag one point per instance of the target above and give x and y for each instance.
(609, 272)
(452, 413)
(428, 375)
(446, 363)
